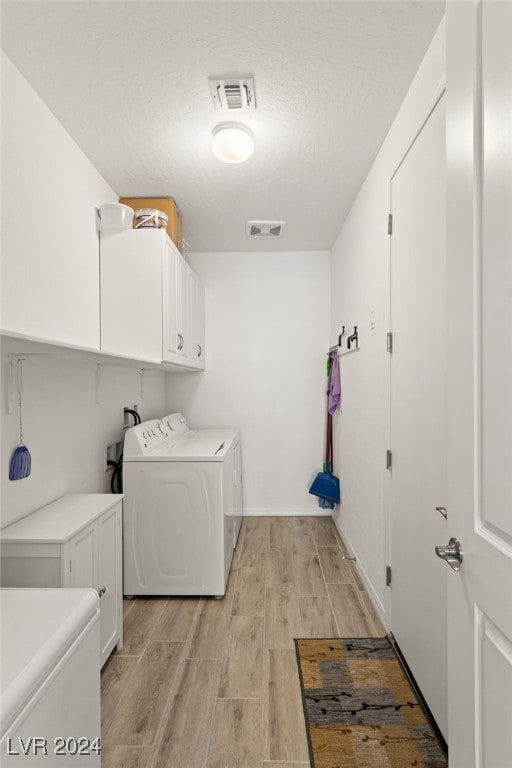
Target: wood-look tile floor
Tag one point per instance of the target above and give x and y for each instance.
(205, 683)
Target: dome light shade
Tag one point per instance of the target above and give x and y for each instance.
(232, 142)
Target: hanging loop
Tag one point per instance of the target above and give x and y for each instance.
(19, 379)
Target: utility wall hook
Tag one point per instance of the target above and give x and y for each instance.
(354, 338)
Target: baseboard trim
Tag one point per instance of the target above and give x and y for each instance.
(377, 603)
(284, 512)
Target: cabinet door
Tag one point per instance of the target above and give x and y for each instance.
(193, 320)
(196, 320)
(81, 566)
(184, 319)
(200, 319)
(172, 304)
(109, 578)
(49, 269)
(183, 311)
(131, 293)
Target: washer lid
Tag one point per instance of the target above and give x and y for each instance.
(38, 626)
(202, 444)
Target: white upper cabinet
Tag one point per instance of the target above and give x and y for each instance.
(146, 309)
(50, 269)
(130, 294)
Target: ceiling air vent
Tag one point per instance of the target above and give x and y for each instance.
(267, 229)
(232, 94)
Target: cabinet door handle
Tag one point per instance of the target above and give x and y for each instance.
(199, 350)
(101, 591)
(181, 342)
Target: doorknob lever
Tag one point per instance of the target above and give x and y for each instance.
(452, 554)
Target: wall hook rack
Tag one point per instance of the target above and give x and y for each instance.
(347, 341)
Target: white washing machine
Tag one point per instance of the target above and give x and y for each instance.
(182, 507)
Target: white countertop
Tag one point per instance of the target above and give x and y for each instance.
(60, 520)
(37, 627)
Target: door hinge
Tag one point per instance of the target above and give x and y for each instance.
(390, 223)
(389, 341)
(388, 459)
(388, 575)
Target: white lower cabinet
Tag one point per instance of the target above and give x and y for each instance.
(50, 691)
(74, 542)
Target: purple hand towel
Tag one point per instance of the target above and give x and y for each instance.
(334, 385)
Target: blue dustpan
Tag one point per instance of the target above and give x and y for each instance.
(326, 485)
(21, 463)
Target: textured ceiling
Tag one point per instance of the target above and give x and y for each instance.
(129, 81)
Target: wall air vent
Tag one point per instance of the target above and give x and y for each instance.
(268, 229)
(232, 94)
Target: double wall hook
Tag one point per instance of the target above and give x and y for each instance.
(353, 338)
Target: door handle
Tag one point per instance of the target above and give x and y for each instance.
(101, 591)
(452, 554)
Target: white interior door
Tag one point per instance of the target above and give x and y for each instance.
(479, 218)
(418, 420)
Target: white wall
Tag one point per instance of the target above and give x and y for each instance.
(267, 332)
(360, 286)
(65, 428)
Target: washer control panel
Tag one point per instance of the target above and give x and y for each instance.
(175, 423)
(145, 438)
(152, 436)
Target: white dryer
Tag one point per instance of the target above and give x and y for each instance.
(182, 507)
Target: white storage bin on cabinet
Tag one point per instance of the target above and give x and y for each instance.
(73, 542)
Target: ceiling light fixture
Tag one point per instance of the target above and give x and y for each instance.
(232, 142)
